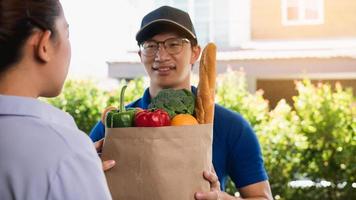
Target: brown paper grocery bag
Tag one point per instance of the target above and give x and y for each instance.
(158, 163)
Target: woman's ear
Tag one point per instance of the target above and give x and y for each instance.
(195, 54)
(43, 48)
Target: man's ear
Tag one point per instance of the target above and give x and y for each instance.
(43, 48)
(195, 54)
(140, 54)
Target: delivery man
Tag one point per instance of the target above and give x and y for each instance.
(168, 49)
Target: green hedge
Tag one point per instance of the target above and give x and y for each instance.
(313, 140)
(85, 101)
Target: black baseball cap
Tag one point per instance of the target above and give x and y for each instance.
(163, 19)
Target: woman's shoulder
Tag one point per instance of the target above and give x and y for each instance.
(40, 134)
(34, 142)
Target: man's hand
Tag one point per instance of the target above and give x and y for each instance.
(108, 164)
(257, 191)
(214, 193)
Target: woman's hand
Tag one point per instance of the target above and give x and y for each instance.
(108, 164)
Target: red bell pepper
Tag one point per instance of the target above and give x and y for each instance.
(152, 118)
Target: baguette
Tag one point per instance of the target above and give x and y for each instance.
(204, 106)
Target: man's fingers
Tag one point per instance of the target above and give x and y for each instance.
(213, 169)
(213, 179)
(108, 164)
(99, 144)
(213, 195)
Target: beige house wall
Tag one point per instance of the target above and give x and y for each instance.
(266, 21)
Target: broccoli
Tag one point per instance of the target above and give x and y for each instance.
(174, 102)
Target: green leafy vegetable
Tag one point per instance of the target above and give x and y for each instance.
(174, 101)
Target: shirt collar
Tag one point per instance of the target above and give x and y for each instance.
(146, 99)
(31, 107)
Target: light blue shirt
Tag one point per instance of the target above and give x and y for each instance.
(43, 155)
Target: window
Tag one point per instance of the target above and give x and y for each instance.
(202, 21)
(302, 12)
(216, 21)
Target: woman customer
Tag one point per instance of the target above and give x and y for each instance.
(43, 155)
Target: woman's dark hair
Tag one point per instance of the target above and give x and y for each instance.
(18, 18)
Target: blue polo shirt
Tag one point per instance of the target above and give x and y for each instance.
(236, 151)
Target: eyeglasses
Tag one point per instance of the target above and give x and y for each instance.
(171, 45)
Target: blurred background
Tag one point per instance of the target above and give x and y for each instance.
(273, 41)
(288, 66)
